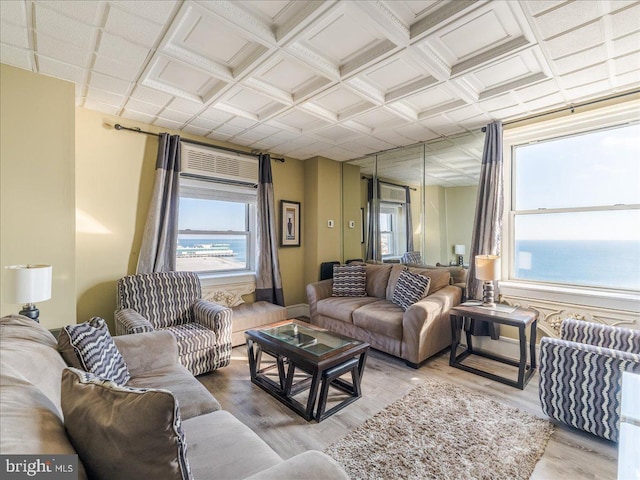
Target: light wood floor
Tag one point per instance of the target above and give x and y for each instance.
(570, 454)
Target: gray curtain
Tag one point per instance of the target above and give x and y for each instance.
(409, 221)
(373, 248)
(487, 227)
(268, 280)
(160, 237)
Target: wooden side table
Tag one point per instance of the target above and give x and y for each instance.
(520, 318)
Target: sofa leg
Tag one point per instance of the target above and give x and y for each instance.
(414, 365)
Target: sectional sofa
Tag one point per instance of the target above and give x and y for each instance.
(217, 444)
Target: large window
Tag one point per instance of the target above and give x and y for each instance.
(575, 216)
(217, 224)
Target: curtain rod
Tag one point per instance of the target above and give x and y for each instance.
(117, 126)
(569, 107)
(363, 177)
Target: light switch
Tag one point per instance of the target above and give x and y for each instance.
(330, 224)
(352, 224)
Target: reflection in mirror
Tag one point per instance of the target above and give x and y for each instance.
(418, 199)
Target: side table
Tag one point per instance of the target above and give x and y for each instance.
(502, 314)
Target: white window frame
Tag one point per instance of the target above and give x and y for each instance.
(570, 124)
(219, 277)
(398, 234)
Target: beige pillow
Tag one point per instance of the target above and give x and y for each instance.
(123, 432)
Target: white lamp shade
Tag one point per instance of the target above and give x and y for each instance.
(28, 283)
(458, 249)
(488, 267)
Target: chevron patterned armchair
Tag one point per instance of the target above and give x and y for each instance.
(581, 375)
(172, 301)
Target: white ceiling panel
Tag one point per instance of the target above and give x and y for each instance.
(333, 78)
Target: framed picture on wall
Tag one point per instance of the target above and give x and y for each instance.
(289, 223)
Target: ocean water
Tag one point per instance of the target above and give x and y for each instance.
(612, 264)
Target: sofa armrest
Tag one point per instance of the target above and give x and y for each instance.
(129, 321)
(580, 384)
(310, 465)
(596, 334)
(316, 292)
(148, 351)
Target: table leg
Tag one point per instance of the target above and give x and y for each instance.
(468, 334)
(455, 338)
(532, 343)
(313, 394)
(523, 355)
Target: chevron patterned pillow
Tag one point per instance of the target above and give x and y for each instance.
(349, 281)
(97, 351)
(124, 432)
(411, 288)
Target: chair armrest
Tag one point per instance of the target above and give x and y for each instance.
(129, 321)
(580, 384)
(310, 465)
(606, 336)
(144, 352)
(214, 316)
(316, 292)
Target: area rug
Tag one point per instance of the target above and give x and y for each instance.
(442, 431)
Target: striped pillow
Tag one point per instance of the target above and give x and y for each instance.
(349, 281)
(97, 351)
(410, 288)
(124, 432)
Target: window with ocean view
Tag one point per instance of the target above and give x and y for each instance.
(576, 210)
(216, 228)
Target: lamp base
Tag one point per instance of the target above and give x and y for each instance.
(30, 311)
(487, 294)
(460, 260)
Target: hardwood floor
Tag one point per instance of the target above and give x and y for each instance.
(570, 454)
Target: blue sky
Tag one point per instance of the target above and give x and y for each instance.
(199, 214)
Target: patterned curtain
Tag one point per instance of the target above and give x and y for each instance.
(487, 227)
(268, 280)
(409, 221)
(160, 237)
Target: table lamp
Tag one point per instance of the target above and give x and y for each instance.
(488, 269)
(459, 250)
(28, 284)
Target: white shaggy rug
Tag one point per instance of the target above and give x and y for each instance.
(441, 431)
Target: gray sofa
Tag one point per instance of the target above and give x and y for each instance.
(415, 335)
(218, 445)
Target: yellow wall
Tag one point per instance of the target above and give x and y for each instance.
(351, 212)
(435, 224)
(37, 194)
(461, 207)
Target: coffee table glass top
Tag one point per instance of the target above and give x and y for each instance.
(316, 342)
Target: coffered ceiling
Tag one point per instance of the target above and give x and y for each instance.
(341, 79)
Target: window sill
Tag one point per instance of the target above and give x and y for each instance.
(613, 299)
(224, 278)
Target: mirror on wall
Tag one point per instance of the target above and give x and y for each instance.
(419, 198)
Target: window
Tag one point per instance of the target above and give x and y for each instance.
(216, 228)
(575, 217)
(392, 230)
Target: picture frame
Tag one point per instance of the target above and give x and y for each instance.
(289, 223)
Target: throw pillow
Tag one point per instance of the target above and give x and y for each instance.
(89, 346)
(349, 281)
(410, 288)
(123, 432)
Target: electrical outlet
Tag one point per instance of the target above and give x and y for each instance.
(330, 224)
(352, 224)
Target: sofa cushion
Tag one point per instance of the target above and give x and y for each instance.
(439, 278)
(381, 317)
(95, 350)
(377, 280)
(410, 288)
(123, 432)
(349, 281)
(341, 308)
(192, 396)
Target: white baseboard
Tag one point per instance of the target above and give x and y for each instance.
(299, 310)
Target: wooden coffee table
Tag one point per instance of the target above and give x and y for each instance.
(322, 355)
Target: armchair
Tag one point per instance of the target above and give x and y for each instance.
(581, 375)
(172, 301)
